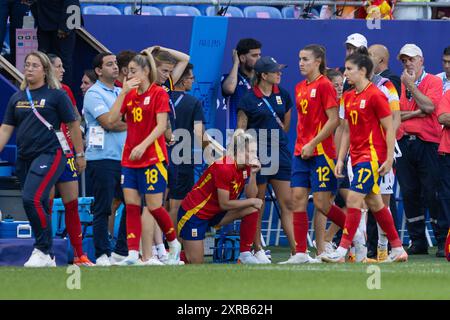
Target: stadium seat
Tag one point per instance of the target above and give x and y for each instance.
(292, 13)
(181, 11)
(101, 10)
(145, 11)
(288, 12)
(263, 12)
(231, 12)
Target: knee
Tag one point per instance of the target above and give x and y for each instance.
(299, 203)
(354, 201)
(322, 206)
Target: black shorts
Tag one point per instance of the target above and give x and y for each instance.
(184, 181)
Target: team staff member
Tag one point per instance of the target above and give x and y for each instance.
(370, 134)
(145, 106)
(238, 82)
(314, 155)
(35, 111)
(213, 200)
(444, 162)
(268, 107)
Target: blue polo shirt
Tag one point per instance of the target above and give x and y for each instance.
(242, 88)
(260, 117)
(98, 100)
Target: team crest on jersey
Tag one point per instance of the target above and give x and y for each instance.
(362, 105)
(279, 101)
(42, 103)
(244, 174)
(313, 93)
(146, 101)
(194, 233)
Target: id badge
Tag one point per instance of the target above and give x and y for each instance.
(96, 137)
(63, 141)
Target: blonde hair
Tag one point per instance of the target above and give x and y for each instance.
(240, 139)
(49, 78)
(144, 60)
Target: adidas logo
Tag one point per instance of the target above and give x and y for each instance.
(359, 186)
(345, 231)
(131, 236)
(151, 188)
(323, 185)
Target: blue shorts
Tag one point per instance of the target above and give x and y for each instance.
(283, 172)
(152, 179)
(190, 227)
(316, 173)
(70, 172)
(366, 178)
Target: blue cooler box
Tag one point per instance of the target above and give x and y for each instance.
(10, 229)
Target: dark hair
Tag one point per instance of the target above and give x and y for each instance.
(362, 50)
(333, 73)
(186, 72)
(144, 61)
(319, 53)
(98, 59)
(245, 45)
(447, 51)
(52, 57)
(124, 58)
(91, 75)
(361, 61)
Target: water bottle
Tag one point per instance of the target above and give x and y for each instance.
(1, 218)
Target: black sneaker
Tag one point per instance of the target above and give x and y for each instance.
(417, 249)
(440, 253)
(371, 254)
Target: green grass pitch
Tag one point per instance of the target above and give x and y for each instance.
(423, 277)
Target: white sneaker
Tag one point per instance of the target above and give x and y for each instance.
(329, 247)
(131, 260)
(38, 259)
(103, 261)
(153, 261)
(247, 258)
(116, 258)
(163, 257)
(300, 258)
(174, 253)
(397, 255)
(333, 257)
(261, 256)
(359, 242)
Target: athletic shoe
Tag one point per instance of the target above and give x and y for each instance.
(359, 243)
(369, 260)
(351, 257)
(103, 261)
(329, 247)
(153, 261)
(174, 253)
(397, 256)
(247, 258)
(333, 257)
(300, 258)
(382, 254)
(131, 260)
(163, 257)
(262, 258)
(38, 259)
(82, 261)
(116, 258)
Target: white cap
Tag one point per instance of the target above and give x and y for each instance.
(357, 40)
(410, 50)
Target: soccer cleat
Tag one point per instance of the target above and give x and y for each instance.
(382, 254)
(247, 258)
(153, 261)
(174, 253)
(333, 257)
(351, 257)
(38, 259)
(82, 261)
(262, 258)
(300, 258)
(103, 261)
(397, 256)
(116, 258)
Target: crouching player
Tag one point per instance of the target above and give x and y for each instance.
(213, 200)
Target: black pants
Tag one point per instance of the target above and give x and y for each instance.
(37, 177)
(418, 175)
(444, 189)
(105, 179)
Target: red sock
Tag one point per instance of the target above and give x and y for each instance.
(248, 230)
(351, 225)
(50, 206)
(384, 219)
(134, 226)
(73, 226)
(183, 257)
(300, 231)
(165, 223)
(447, 246)
(337, 216)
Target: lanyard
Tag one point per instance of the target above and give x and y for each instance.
(420, 78)
(37, 114)
(174, 105)
(280, 123)
(245, 82)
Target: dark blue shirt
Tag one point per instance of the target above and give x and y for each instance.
(242, 88)
(168, 86)
(33, 137)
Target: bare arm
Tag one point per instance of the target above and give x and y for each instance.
(287, 121)
(423, 102)
(343, 150)
(396, 119)
(338, 135)
(444, 119)
(226, 204)
(77, 140)
(6, 132)
(406, 115)
(183, 60)
(251, 189)
(387, 124)
(118, 126)
(230, 83)
(242, 120)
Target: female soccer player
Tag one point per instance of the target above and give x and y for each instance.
(370, 134)
(145, 105)
(313, 163)
(37, 111)
(213, 200)
(266, 110)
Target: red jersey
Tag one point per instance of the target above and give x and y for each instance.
(444, 107)
(312, 100)
(427, 128)
(203, 200)
(141, 111)
(363, 112)
(64, 127)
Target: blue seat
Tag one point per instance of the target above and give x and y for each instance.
(145, 11)
(299, 13)
(101, 10)
(263, 12)
(288, 12)
(181, 11)
(232, 11)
